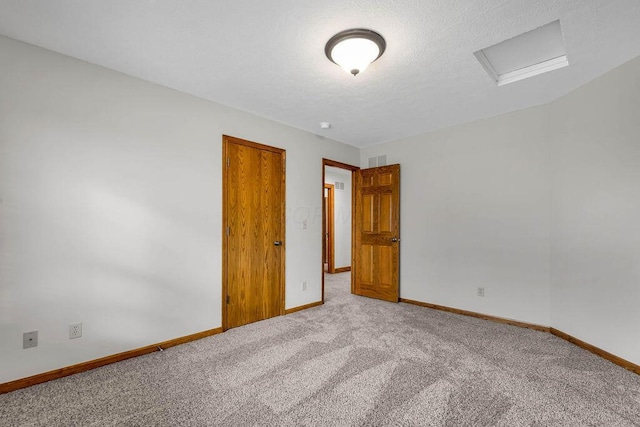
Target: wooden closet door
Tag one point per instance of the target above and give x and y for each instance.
(254, 214)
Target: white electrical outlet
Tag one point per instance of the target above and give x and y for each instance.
(304, 286)
(30, 339)
(75, 330)
(480, 292)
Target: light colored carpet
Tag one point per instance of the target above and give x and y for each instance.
(353, 361)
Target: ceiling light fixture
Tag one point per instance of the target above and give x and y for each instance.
(355, 49)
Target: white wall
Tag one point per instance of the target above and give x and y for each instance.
(110, 209)
(540, 206)
(341, 215)
(596, 213)
(474, 213)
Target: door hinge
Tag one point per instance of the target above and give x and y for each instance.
(228, 299)
(228, 162)
(228, 230)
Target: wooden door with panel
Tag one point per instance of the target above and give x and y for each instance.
(377, 223)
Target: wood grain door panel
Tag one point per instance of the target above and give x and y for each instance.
(253, 272)
(377, 211)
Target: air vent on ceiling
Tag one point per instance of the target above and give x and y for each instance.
(527, 55)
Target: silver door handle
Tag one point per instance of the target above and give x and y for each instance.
(277, 243)
(395, 239)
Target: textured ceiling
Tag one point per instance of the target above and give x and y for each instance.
(267, 57)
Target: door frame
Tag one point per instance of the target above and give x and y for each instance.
(353, 169)
(226, 140)
(329, 223)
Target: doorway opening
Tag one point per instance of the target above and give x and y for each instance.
(337, 219)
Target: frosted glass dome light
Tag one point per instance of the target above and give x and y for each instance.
(355, 49)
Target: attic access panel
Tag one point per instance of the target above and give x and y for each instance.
(527, 55)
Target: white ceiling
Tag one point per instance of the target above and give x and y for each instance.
(267, 57)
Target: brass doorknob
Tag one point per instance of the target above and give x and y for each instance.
(395, 239)
(277, 243)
